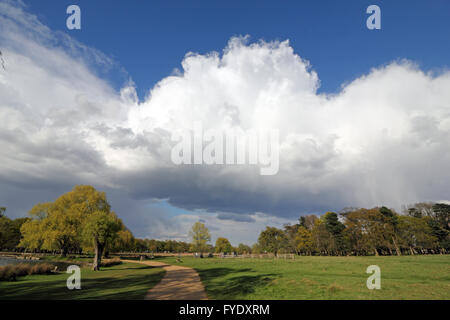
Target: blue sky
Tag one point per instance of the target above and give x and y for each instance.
(150, 38)
(381, 141)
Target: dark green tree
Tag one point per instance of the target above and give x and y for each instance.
(336, 229)
(440, 224)
(272, 240)
(10, 232)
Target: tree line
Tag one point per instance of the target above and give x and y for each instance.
(82, 221)
(424, 228)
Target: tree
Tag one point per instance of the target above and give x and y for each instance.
(64, 219)
(2, 61)
(62, 231)
(88, 215)
(439, 215)
(200, 237)
(303, 240)
(2, 211)
(10, 232)
(32, 234)
(256, 248)
(40, 211)
(209, 248)
(308, 221)
(291, 232)
(101, 227)
(152, 245)
(323, 240)
(390, 219)
(243, 249)
(59, 226)
(368, 230)
(123, 242)
(416, 233)
(79, 219)
(442, 214)
(336, 228)
(140, 245)
(223, 246)
(420, 209)
(441, 224)
(272, 240)
(442, 235)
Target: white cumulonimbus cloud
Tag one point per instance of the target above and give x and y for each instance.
(383, 140)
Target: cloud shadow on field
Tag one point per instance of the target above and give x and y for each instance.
(226, 283)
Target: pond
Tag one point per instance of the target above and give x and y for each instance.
(10, 260)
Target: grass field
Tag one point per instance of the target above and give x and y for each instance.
(124, 281)
(406, 277)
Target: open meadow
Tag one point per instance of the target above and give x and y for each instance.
(302, 278)
(405, 277)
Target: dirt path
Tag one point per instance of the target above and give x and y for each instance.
(179, 283)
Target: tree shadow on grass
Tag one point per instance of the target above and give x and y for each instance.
(228, 283)
(131, 268)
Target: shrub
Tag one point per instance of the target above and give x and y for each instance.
(11, 272)
(6, 273)
(42, 268)
(21, 269)
(111, 262)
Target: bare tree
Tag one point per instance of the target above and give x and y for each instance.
(2, 62)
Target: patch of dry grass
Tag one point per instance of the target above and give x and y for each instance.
(12, 271)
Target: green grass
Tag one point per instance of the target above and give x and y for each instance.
(125, 281)
(406, 277)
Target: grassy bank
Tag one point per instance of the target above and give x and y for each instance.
(124, 281)
(406, 277)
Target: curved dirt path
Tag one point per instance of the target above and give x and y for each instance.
(179, 283)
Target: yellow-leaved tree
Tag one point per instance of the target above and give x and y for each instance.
(200, 237)
(77, 220)
(304, 241)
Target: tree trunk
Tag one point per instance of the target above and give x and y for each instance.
(396, 246)
(376, 252)
(64, 252)
(412, 250)
(98, 256)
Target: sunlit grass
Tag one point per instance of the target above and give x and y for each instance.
(406, 277)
